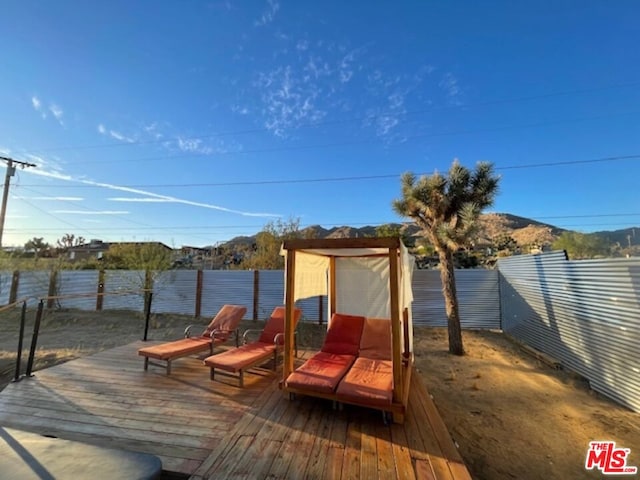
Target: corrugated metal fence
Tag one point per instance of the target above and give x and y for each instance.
(175, 291)
(478, 298)
(586, 314)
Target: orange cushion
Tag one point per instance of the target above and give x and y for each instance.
(275, 324)
(239, 358)
(376, 339)
(343, 335)
(368, 382)
(176, 349)
(321, 373)
(226, 320)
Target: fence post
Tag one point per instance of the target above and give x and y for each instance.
(320, 310)
(100, 296)
(34, 338)
(147, 312)
(199, 280)
(23, 316)
(53, 280)
(15, 281)
(256, 294)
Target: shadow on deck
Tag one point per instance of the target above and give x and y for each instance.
(206, 429)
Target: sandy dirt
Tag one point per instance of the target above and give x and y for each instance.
(515, 417)
(512, 416)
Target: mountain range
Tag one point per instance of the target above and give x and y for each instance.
(628, 236)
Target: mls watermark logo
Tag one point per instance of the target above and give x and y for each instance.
(608, 459)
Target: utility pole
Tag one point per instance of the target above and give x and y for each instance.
(11, 170)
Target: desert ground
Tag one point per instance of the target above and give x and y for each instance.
(512, 416)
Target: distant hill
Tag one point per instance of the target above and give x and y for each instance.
(625, 237)
(516, 222)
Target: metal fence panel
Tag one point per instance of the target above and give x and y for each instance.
(33, 285)
(271, 289)
(5, 287)
(220, 287)
(77, 282)
(117, 283)
(478, 298)
(583, 313)
(174, 291)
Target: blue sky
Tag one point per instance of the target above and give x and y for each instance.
(194, 122)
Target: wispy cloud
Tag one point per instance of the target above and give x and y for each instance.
(288, 100)
(269, 14)
(165, 198)
(451, 87)
(240, 110)
(121, 137)
(94, 212)
(37, 106)
(35, 101)
(193, 145)
(54, 109)
(346, 67)
(57, 112)
(152, 129)
(54, 199)
(139, 200)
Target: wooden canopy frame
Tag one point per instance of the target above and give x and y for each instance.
(389, 247)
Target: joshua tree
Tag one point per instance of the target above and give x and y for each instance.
(447, 208)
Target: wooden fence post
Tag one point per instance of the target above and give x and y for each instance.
(256, 293)
(53, 280)
(15, 281)
(100, 297)
(199, 280)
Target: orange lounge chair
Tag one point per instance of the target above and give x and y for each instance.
(369, 381)
(238, 360)
(223, 325)
(320, 375)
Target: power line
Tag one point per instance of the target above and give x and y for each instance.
(336, 224)
(344, 179)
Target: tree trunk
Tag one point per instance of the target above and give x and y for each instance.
(451, 301)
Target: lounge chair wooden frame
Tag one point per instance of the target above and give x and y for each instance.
(169, 351)
(258, 359)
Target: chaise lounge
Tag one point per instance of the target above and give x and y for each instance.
(320, 375)
(369, 381)
(238, 360)
(221, 328)
(354, 365)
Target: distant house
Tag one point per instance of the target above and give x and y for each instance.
(96, 249)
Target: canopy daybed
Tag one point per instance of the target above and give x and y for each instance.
(368, 285)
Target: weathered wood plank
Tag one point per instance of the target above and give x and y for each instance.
(384, 450)
(318, 453)
(268, 399)
(351, 461)
(288, 449)
(401, 453)
(215, 430)
(368, 452)
(305, 442)
(424, 470)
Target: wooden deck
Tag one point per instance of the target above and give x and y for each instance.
(207, 429)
